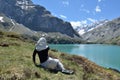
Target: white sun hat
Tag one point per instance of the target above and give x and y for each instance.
(41, 44)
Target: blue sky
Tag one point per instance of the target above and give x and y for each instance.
(82, 11)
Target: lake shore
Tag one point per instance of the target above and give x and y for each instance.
(101, 54)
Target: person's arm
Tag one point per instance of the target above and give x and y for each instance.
(34, 54)
(48, 48)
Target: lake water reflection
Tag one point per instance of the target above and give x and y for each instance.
(104, 55)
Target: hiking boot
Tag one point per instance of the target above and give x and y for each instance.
(67, 71)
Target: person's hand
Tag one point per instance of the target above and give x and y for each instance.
(37, 65)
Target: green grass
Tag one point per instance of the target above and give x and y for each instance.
(16, 64)
(115, 40)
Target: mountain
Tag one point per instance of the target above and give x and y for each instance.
(35, 17)
(106, 33)
(88, 27)
(10, 25)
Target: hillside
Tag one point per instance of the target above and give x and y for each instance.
(106, 33)
(10, 25)
(16, 63)
(35, 17)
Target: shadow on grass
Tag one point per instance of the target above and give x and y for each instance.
(50, 70)
(68, 72)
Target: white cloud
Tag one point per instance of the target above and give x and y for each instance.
(84, 22)
(65, 3)
(63, 16)
(92, 20)
(85, 10)
(75, 24)
(97, 9)
(99, 0)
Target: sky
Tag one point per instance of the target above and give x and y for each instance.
(79, 12)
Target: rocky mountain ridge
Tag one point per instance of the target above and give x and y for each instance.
(10, 25)
(88, 27)
(106, 33)
(35, 17)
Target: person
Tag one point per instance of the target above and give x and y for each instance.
(47, 62)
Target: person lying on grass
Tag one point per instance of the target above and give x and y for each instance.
(47, 62)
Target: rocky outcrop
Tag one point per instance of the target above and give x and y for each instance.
(105, 33)
(10, 25)
(35, 17)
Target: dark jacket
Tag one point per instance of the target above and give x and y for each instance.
(43, 55)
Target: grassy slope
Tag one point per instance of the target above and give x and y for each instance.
(16, 63)
(115, 41)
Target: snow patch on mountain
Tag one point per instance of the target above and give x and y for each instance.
(84, 27)
(1, 19)
(81, 32)
(25, 4)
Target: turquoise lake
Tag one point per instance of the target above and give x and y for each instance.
(104, 55)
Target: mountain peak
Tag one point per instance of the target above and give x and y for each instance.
(88, 27)
(24, 4)
(35, 17)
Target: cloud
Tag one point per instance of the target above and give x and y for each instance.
(99, 0)
(65, 3)
(97, 9)
(63, 16)
(92, 20)
(75, 24)
(85, 10)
